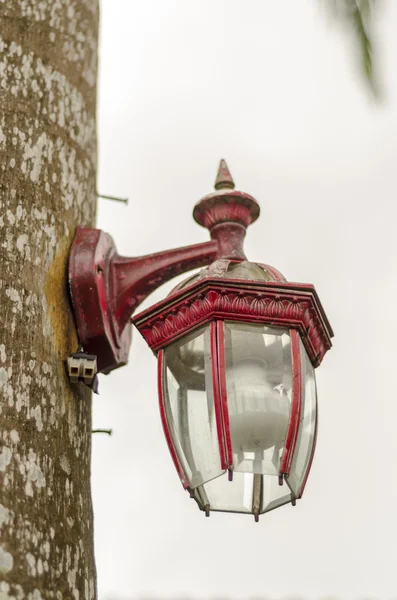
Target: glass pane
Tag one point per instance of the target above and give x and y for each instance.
(238, 495)
(259, 391)
(304, 443)
(228, 496)
(274, 495)
(189, 406)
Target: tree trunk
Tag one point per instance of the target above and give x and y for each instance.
(48, 62)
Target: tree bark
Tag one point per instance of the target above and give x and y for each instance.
(48, 64)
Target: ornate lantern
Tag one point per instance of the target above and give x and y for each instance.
(237, 346)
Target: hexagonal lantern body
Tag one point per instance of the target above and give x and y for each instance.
(237, 346)
(237, 388)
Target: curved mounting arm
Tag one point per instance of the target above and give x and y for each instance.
(133, 279)
(106, 288)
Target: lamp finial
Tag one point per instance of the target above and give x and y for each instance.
(224, 180)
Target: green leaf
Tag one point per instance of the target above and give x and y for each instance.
(357, 15)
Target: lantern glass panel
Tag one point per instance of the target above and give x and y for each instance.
(307, 426)
(273, 494)
(238, 495)
(228, 496)
(189, 406)
(258, 365)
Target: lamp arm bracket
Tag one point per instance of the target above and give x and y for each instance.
(106, 289)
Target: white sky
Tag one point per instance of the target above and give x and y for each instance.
(272, 87)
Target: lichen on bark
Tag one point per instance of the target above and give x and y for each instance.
(48, 64)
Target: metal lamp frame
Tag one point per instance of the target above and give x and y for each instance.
(106, 289)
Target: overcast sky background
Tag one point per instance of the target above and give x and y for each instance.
(273, 88)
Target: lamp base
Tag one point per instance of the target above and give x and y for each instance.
(90, 288)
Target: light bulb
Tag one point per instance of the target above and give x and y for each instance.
(258, 412)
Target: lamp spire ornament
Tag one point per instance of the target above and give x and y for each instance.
(224, 179)
(227, 213)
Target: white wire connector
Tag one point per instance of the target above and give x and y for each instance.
(83, 367)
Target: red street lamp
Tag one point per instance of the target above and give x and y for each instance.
(236, 344)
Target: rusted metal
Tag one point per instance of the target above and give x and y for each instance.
(174, 454)
(291, 305)
(227, 213)
(114, 198)
(223, 178)
(216, 390)
(107, 431)
(257, 496)
(296, 404)
(220, 358)
(106, 289)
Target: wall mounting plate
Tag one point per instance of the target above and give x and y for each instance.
(90, 285)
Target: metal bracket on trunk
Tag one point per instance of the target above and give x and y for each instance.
(106, 289)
